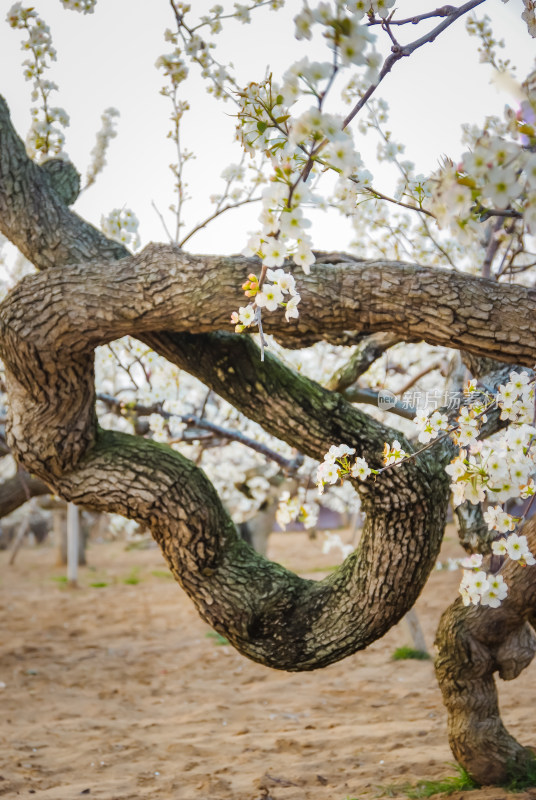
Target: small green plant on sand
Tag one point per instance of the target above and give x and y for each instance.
(218, 638)
(133, 576)
(403, 653)
(522, 777)
(425, 788)
(161, 573)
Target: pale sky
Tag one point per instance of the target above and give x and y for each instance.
(107, 59)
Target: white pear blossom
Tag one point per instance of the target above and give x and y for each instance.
(246, 315)
(275, 253)
(496, 592)
(499, 520)
(393, 453)
(517, 549)
(304, 257)
(473, 586)
(270, 297)
(360, 469)
(291, 310)
(284, 280)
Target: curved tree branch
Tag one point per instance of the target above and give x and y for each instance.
(49, 328)
(33, 215)
(269, 614)
(164, 288)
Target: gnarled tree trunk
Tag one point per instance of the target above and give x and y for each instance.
(473, 643)
(91, 291)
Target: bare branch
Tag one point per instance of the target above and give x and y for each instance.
(366, 353)
(215, 215)
(407, 50)
(197, 422)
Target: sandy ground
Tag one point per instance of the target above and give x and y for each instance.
(120, 692)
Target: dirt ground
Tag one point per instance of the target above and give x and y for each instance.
(120, 692)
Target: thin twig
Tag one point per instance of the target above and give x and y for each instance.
(444, 11)
(262, 341)
(215, 215)
(491, 250)
(438, 246)
(380, 196)
(407, 50)
(162, 220)
(419, 375)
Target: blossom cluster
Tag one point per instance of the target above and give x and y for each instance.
(496, 471)
(291, 509)
(299, 144)
(342, 23)
(430, 426)
(265, 123)
(121, 225)
(516, 548)
(496, 174)
(479, 588)
(82, 6)
(98, 154)
(173, 66)
(188, 41)
(269, 296)
(45, 137)
(336, 465)
(283, 229)
(503, 469)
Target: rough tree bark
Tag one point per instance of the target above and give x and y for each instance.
(91, 291)
(16, 491)
(473, 643)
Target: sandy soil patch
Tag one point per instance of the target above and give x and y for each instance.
(120, 692)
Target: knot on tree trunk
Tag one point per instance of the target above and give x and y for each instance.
(515, 652)
(64, 178)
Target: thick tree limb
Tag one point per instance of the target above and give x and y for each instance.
(165, 288)
(16, 491)
(268, 613)
(33, 215)
(48, 328)
(198, 294)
